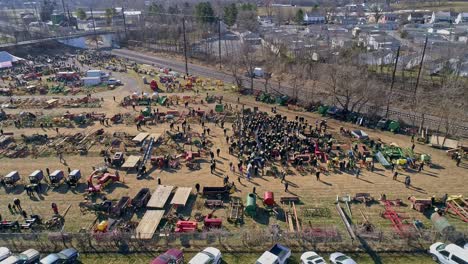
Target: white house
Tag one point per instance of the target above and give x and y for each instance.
(461, 18)
(441, 17)
(251, 38)
(380, 57)
(314, 18)
(382, 42)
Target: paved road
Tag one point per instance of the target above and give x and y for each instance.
(39, 40)
(195, 69)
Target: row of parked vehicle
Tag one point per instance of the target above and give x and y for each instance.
(279, 254)
(30, 256)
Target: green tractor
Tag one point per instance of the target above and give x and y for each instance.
(80, 119)
(146, 112)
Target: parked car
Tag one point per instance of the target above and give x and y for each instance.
(310, 257)
(209, 255)
(12, 260)
(172, 256)
(69, 255)
(26, 257)
(340, 258)
(278, 254)
(448, 254)
(4, 253)
(114, 82)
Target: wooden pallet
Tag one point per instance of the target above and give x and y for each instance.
(236, 212)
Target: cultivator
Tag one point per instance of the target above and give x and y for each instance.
(236, 209)
(396, 218)
(459, 206)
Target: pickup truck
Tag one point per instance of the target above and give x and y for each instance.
(278, 254)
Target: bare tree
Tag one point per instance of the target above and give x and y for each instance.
(298, 80)
(349, 91)
(247, 58)
(234, 66)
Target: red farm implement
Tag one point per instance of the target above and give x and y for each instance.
(459, 206)
(401, 228)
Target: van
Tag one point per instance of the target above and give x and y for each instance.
(448, 254)
(12, 260)
(30, 256)
(4, 253)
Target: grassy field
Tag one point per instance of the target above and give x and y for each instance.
(457, 6)
(250, 258)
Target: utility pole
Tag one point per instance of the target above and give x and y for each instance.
(125, 23)
(389, 97)
(219, 42)
(185, 47)
(63, 6)
(94, 29)
(420, 68)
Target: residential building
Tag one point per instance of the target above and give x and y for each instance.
(251, 38)
(462, 18)
(440, 16)
(314, 18)
(382, 42)
(379, 57)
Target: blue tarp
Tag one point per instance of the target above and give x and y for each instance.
(380, 157)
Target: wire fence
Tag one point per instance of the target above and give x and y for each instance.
(242, 241)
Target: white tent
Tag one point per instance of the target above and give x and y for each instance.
(6, 59)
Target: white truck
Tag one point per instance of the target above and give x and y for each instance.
(209, 255)
(278, 254)
(91, 81)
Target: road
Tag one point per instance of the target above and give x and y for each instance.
(34, 41)
(194, 69)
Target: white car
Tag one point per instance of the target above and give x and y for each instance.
(340, 258)
(114, 82)
(4, 253)
(310, 257)
(448, 254)
(209, 255)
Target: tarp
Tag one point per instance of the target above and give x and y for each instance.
(449, 143)
(380, 157)
(6, 64)
(6, 59)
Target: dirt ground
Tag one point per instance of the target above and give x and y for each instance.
(443, 178)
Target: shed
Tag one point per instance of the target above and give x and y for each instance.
(159, 197)
(149, 223)
(140, 137)
(12, 177)
(5, 140)
(268, 198)
(56, 175)
(251, 206)
(181, 196)
(155, 136)
(131, 162)
(36, 176)
(52, 102)
(75, 174)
